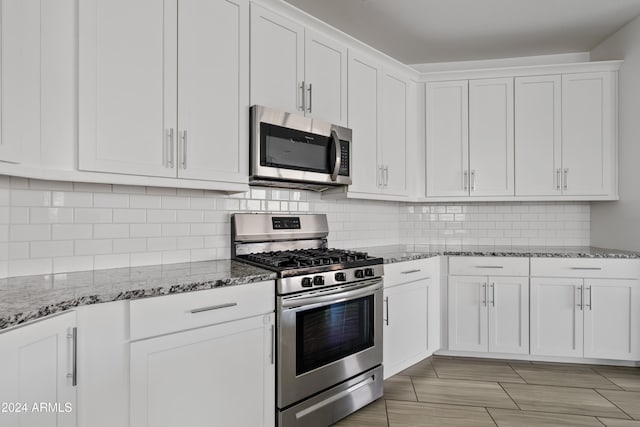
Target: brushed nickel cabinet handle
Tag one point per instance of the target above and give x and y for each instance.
(213, 307)
(183, 160)
(73, 336)
(484, 291)
(386, 175)
(473, 180)
(303, 102)
(310, 90)
(465, 180)
(493, 294)
(411, 271)
(590, 291)
(566, 178)
(586, 268)
(558, 179)
(581, 299)
(386, 302)
(169, 146)
(489, 266)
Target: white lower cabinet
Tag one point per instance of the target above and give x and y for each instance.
(592, 318)
(488, 313)
(217, 375)
(38, 374)
(411, 314)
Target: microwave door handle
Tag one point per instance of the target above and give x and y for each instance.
(338, 160)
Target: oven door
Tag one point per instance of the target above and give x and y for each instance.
(290, 147)
(327, 337)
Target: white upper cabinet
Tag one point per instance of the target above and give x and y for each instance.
(213, 102)
(538, 136)
(447, 162)
(394, 133)
(326, 77)
(491, 137)
(365, 77)
(588, 133)
(277, 61)
(179, 107)
(20, 35)
(127, 86)
(296, 69)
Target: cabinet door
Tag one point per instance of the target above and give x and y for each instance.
(509, 315)
(611, 319)
(447, 139)
(588, 105)
(394, 133)
(468, 313)
(405, 320)
(213, 102)
(277, 61)
(20, 68)
(365, 77)
(127, 86)
(556, 317)
(326, 77)
(538, 136)
(491, 137)
(36, 365)
(218, 375)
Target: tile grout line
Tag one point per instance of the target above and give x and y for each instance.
(491, 416)
(517, 373)
(386, 411)
(510, 397)
(608, 379)
(610, 401)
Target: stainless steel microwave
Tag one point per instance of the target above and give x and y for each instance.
(290, 150)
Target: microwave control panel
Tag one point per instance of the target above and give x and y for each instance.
(344, 158)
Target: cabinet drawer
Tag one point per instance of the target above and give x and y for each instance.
(173, 313)
(585, 267)
(488, 266)
(409, 271)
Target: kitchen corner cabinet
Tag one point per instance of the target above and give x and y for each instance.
(470, 142)
(411, 314)
(379, 100)
(296, 69)
(37, 366)
(179, 107)
(488, 313)
(587, 310)
(20, 84)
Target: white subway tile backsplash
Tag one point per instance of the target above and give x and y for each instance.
(58, 226)
(93, 247)
(25, 233)
(51, 215)
(71, 231)
(51, 249)
(93, 215)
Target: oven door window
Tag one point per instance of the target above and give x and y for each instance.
(332, 332)
(292, 149)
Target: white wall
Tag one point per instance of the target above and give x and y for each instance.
(617, 224)
(51, 227)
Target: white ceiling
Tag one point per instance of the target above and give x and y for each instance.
(427, 31)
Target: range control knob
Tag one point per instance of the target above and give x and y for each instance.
(306, 282)
(318, 281)
(368, 272)
(359, 274)
(341, 277)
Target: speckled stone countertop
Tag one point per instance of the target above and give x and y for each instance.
(31, 297)
(399, 253)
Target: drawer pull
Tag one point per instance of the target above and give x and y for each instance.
(586, 268)
(411, 271)
(213, 307)
(489, 266)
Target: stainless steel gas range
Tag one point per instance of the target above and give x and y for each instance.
(329, 316)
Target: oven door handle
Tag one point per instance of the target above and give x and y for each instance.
(338, 159)
(331, 298)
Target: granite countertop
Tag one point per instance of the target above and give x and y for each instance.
(31, 297)
(399, 253)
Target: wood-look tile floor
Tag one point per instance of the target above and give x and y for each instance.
(451, 392)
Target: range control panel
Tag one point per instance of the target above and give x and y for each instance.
(286, 223)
